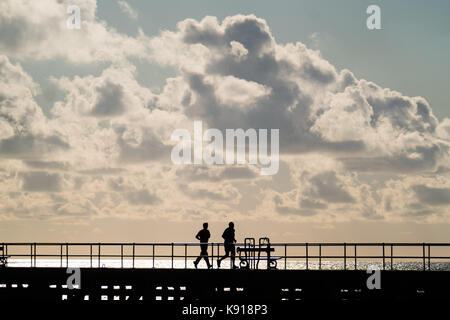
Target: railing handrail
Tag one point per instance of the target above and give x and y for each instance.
(198, 243)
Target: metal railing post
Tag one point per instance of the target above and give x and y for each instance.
(306, 256)
(392, 256)
(99, 254)
(212, 255)
(35, 253)
(384, 258)
(31, 255)
(218, 253)
(121, 255)
(172, 255)
(355, 258)
(67, 255)
(185, 255)
(90, 254)
(320, 256)
(285, 256)
(429, 257)
(61, 255)
(153, 255)
(345, 256)
(134, 250)
(423, 252)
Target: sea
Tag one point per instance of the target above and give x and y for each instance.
(189, 264)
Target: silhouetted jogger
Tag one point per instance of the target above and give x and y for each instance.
(229, 241)
(203, 235)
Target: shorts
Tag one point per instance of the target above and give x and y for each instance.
(204, 250)
(229, 248)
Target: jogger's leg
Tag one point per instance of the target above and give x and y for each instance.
(207, 261)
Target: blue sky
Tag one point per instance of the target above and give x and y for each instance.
(410, 54)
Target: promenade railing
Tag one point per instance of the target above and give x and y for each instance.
(127, 255)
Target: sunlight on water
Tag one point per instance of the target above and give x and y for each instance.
(181, 264)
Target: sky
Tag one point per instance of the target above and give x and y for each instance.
(86, 118)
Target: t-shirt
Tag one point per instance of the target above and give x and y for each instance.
(228, 235)
(204, 235)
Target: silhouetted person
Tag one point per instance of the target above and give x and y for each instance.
(229, 241)
(203, 235)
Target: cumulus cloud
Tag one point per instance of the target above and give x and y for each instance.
(52, 165)
(312, 204)
(224, 192)
(293, 88)
(214, 173)
(283, 209)
(41, 181)
(38, 30)
(350, 149)
(432, 196)
(25, 134)
(142, 197)
(110, 101)
(328, 187)
(238, 92)
(127, 9)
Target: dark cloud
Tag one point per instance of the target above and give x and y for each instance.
(29, 146)
(250, 31)
(388, 204)
(206, 36)
(150, 148)
(432, 196)
(295, 211)
(328, 187)
(425, 159)
(237, 173)
(117, 184)
(64, 207)
(142, 197)
(195, 173)
(204, 193)
(313, 73)
(102, 171)
(442, 170)
(17, 31)
(402, 112)
(288, 210)
(418, 210)
(41, 181)
(52, 165)
(206, 173)
(110, 101)
(312, 204)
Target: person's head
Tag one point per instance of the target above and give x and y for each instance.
(205, 225)
(231, 225)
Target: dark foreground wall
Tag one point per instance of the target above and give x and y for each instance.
(231, 294)
(152, 286)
